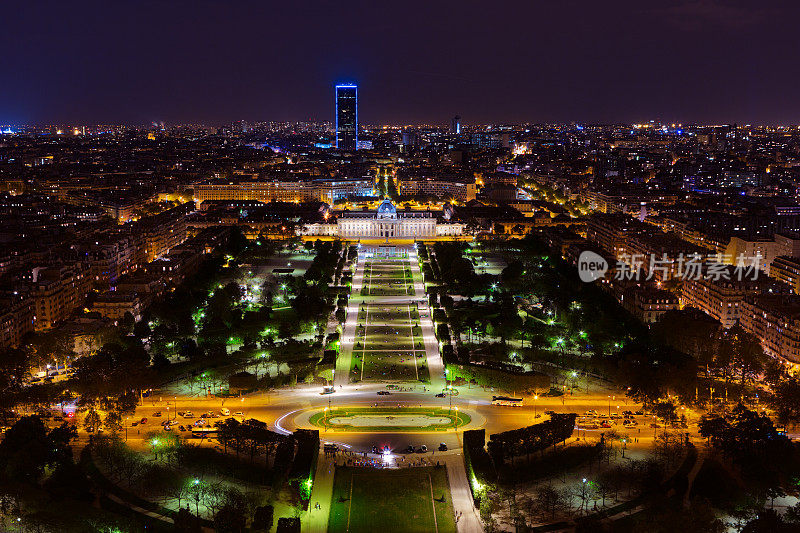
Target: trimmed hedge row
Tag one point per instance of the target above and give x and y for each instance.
(478, 464)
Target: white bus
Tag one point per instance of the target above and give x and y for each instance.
(507, 401)
(201, 432)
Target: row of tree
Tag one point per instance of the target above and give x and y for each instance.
(531, 439)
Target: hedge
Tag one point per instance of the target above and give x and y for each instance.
(500, 379)
(478, 464)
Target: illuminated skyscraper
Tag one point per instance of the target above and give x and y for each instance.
(346, 117)
(455, 125)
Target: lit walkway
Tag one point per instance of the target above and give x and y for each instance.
(343, 361)
(316, 520)
(435, 364)
(468, 518)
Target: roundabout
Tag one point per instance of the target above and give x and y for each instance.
(389, 419)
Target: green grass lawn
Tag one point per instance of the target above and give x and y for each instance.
(405, 365)
(389, 351)
(457, 419)
(387, 279)
(413, 500)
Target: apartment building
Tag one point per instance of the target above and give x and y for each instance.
(775, 320)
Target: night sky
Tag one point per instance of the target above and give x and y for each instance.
(415, 62)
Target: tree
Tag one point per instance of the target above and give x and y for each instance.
(92, 420)
(230, 519)
(786, 400)
(665, 410)
(749, 357)
(263, 518)
(113, 422)
(13, 369)
(27, 448)
(548, 502)
(512, 272)
(127, 322)
(186, 522)
(141, 329)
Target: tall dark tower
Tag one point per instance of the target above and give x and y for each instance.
(346, 117)
(455, 125)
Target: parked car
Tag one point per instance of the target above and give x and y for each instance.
(238, 413)
(225, 411)
(410, 448)
(143, 421)
(157, 414)
(182, 428)
(550, 412)
(188, 414)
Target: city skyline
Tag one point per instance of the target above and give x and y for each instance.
(701, 61)
(408, 267)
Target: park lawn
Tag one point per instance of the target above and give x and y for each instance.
(413, 500)
(388, 279)
(457, 419)
(391, 365)
(389, 351)
(385, 289)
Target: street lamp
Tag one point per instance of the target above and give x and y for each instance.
(535, 397)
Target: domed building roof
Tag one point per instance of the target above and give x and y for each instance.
(387, 209)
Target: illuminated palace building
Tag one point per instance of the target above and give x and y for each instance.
(386, 223)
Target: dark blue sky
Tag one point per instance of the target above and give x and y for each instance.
(522, 61)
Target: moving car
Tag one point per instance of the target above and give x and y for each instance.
(423, 449)
(383, 393)
(442, 447)
(188, 414)
(238, 413)
(410, 448)
(225, 411)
